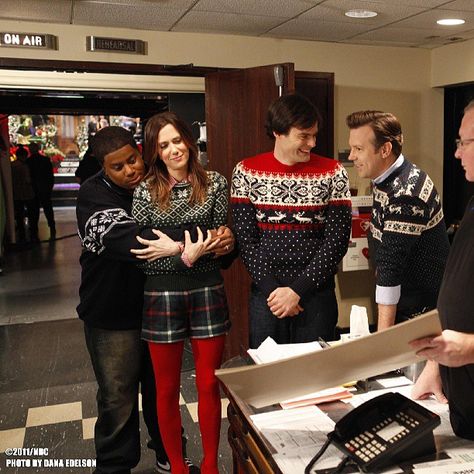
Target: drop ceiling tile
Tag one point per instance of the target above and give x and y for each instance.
(399, 35)
(466, 5)
(365, 42)
(465, 35)
(139, 16)
(51, 11)
(333, 10)
(279, 8)
(160, 4)
(425, 4)
(411, 36)
(231, 23)
(428, 20)
(310, 30)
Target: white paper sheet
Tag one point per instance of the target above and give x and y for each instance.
(265, 384)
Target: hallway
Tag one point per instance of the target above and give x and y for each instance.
(47, 388)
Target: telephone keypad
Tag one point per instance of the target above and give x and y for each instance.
(366, 446)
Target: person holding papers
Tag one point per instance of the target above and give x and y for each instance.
(450, 367)
(408, 244)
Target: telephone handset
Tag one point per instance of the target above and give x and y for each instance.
(386, 430)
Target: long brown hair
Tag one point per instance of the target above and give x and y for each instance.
(158, 177)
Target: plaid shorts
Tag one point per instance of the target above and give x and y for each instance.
(172, 316)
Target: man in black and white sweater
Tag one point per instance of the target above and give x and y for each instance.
(111, 302)
(408, 244)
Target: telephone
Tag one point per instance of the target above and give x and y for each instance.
(386, 430)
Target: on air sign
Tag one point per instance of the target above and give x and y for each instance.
(28, 40)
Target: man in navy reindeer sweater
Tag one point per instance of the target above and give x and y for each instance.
(408, 244)
(292, 218)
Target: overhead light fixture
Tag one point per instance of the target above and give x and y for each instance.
(450, 21)
(360, 13)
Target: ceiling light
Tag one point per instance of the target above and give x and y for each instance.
(450, 21)
(359, 13)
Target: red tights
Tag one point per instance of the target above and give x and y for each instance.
(166, 360)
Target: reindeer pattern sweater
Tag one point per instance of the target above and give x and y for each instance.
(292, 222)
(407, 240)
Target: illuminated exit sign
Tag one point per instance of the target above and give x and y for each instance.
(28, 40)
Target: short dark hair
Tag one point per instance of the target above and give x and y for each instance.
(110, 139)
(385, 126)
(34, 148)
(291, 110)
(21, 152)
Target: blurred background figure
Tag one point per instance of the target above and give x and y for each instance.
(103, 122)
(92, 126)
(88, 167)
(42, 178)
(23, 193)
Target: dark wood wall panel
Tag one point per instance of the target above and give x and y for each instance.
(236, 106)
(318, 87)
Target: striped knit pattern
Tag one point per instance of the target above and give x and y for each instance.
(292, 222)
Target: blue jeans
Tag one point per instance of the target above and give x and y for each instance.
(121, 361)
(318, 319)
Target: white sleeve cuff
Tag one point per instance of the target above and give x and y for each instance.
(387, 294)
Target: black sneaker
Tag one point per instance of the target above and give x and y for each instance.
(163, 466)
(192, 468)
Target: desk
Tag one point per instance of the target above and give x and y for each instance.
(253, 454)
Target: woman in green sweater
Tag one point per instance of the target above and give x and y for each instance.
(184, 291)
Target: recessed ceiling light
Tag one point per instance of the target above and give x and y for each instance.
(359, 13)
(450, 21)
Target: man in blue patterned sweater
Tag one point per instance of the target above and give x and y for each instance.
(408, 244)
(292, 218)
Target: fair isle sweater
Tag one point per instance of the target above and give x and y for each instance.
(169, 273)
(407, 239)
(292, 222)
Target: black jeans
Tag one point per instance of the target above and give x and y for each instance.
(318, 319)
(121, 361)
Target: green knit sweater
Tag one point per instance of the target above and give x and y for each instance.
(169, 273)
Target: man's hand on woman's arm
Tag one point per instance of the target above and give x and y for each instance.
(164, 246)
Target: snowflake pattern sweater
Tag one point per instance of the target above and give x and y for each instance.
(407, 240)
(292, 222)
(209, 215)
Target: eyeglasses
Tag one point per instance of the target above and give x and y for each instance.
(463, 143)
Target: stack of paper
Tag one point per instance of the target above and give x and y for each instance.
(323, 396)
(270, 351)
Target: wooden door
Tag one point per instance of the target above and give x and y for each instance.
(236, 108)
(318, 87)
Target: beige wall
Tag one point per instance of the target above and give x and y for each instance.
(399, 80)
(453, 64)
